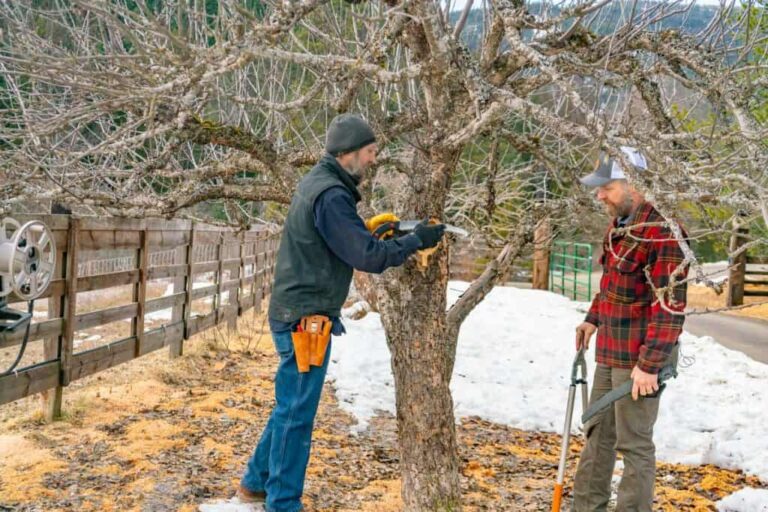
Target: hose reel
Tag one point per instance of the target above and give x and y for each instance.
(27, 263)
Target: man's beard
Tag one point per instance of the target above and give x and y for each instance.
(356, 170)
(623, 209)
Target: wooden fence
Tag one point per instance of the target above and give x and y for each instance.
(93, 266)
(238, 266)
(748, 275)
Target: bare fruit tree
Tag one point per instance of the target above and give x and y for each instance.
(487, 112)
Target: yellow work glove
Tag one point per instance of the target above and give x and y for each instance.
(374, 223)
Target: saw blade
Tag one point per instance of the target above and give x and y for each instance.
(410, 225)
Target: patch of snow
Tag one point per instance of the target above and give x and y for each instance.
(745, 500)
(357, 310)
(163, 314)
(513, 365)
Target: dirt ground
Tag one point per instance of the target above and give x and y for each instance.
(166, 435)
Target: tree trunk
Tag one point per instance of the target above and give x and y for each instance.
(412, 303)
(413, 313)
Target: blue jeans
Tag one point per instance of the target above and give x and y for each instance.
(279, 463)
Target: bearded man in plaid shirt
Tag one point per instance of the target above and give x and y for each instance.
(637, 336)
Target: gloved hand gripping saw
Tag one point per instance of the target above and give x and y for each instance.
(387, 225)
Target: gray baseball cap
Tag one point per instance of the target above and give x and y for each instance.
(608, 169)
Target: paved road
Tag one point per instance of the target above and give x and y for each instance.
(748, 335)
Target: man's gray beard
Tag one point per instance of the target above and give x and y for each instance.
(356, 171)
(621, 210)
(625, 208)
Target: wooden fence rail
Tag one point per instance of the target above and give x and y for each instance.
(235, 269)
(120, 263)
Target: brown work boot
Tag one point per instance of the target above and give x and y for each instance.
(248, 496)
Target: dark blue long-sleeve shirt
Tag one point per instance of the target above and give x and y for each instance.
(344, 232)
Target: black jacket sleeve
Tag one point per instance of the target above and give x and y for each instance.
(345, 233)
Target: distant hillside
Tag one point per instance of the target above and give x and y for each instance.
(692, 21)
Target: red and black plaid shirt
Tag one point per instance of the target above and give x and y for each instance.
(633, 327)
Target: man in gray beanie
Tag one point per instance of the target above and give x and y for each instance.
(323, 241)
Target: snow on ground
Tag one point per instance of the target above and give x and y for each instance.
(163, 314)
(513, 365)
(745, 500)
(717, 271)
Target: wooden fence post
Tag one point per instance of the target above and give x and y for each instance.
(140, 292)
(176, 348)
(258, 272)
(189, 284)
(736, 275)
(240, 277)
(541, 240)
(70, 304)
(217, 307)
(51, 398)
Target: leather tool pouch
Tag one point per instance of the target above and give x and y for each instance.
(310, 341)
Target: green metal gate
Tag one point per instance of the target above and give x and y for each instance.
(570, 270)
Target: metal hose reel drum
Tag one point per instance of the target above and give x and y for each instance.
(27, 258)
(27, 263)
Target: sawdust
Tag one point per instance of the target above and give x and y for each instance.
(527, 452)
(148, 437)
(24, 467)
(380, 496)
(476, 469)
(220, 453)
(108, 403)
(17, 451)
(482, 476)
(674, 500)
(109, 469)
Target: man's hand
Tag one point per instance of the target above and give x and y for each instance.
(382, 226)
(429, 234)
(643, 383)
(584, 332)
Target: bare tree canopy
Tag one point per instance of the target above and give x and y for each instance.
(148, 109)
(486, 115)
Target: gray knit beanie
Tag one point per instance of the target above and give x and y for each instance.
(348, 133)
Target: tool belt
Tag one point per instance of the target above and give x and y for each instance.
(310, 341)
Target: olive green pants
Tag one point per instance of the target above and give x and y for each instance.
(626, 427)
